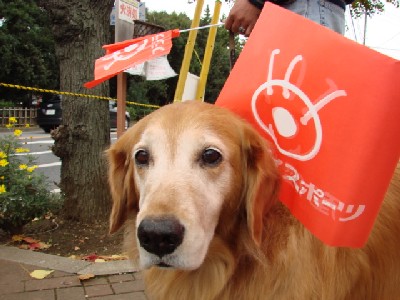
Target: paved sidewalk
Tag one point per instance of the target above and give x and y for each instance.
(113, 280)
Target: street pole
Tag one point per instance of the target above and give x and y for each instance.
(121, 102)
(124, 29)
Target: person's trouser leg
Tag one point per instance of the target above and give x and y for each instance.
(321, 11)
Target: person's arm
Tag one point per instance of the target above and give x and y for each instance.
(244, 15)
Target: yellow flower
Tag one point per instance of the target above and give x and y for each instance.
(27, 125)
(12, 120)
(3, 162)
(20, 150)
(2, 189)
(9, 125)
(1, 177)
(23, 167)
(2, 155)
(17, 132)
(31, 169)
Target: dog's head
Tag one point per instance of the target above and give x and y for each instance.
(187, 173)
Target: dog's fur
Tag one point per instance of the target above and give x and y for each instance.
(240, 242)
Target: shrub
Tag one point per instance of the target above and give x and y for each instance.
(4, 103)
(23, 192)
(138, 112)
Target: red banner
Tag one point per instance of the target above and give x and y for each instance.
(330, 108)
(124, 55)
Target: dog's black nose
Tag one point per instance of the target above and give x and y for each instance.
(160, 236)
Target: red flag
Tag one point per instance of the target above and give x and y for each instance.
(330, 109)
(126, 54)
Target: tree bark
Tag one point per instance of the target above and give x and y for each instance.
(81, 28)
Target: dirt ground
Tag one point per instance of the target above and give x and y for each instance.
(57, 236)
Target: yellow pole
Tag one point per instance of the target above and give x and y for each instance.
(208, 53)
(188, 52)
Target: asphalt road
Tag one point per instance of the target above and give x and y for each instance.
(39, 143)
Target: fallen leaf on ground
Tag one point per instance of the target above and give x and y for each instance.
(24, 247)
(101, 258)
(29, 243)
(17, 238)
(86, 276)
(118, 257)
(39, 246)
(30, 240)
(40, 274)
(77, 248)
(90, 257)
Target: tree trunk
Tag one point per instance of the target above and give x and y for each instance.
(81, 28)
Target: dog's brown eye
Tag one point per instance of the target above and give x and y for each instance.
(142, 157)
(211, 157)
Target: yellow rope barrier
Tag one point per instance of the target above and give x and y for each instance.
(28, 88)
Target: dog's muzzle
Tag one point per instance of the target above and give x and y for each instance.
(160, 235)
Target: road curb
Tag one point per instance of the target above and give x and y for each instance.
(68, 265)
(26, 129)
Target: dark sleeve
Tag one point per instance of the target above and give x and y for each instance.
(258, 3)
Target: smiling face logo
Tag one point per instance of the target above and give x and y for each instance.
(292, 121)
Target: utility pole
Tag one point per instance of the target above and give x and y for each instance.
(124, 28)
(365, 27)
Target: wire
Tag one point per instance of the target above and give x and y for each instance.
(201, 27)
(382, 48)
(398, 33)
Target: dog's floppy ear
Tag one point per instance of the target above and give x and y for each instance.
(261, 181)
(121, 181)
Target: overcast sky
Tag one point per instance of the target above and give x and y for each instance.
(383, 31)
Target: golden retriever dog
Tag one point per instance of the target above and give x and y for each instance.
(196, 189)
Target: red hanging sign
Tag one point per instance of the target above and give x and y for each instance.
(124, 55)
(330, 109)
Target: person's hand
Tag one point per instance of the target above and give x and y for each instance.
(242, 17)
